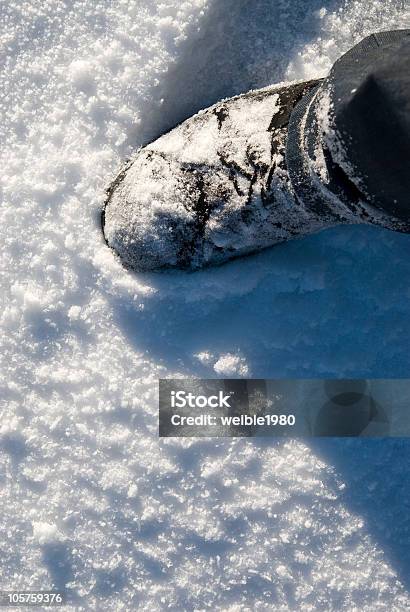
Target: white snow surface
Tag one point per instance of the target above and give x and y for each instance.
(91, 501)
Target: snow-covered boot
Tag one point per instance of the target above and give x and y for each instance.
(272, 164)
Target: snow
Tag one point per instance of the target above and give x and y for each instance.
(91, 500)
(231, 365)
(45, 533)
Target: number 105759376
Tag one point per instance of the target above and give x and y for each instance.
(31, 598)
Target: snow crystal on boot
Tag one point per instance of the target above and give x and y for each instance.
(213, 188)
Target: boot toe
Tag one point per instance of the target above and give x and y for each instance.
(148, 218)
(213, 188)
